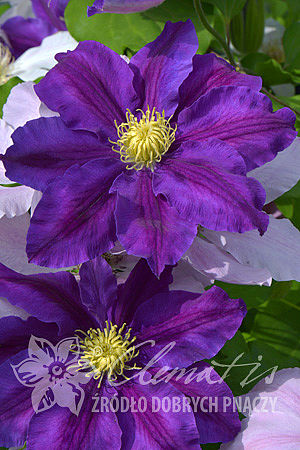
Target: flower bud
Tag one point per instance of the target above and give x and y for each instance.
(247, 28)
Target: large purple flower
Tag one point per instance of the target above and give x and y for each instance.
(121, 6)
(144, 152)
(122, 329)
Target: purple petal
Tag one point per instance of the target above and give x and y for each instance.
(90, 430)
(52, 297)
(26, 33)
(222, 422)
(197, 182)
(90, 87)
(74, 220)
(50, 12)
(37, 162)
(164, 64)
(15, 408)
(146, 225)
(139, 287)
(161, 429)
(199, 325)
(210, 72)
(242, 118)
(15, 334)
(98, 287)
(121, 6)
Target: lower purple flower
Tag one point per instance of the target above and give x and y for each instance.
(90, 345)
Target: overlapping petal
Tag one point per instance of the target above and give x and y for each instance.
(74, 220)
(26, 33)
(87, 430)
(146, 225)
(91, 87)
(157, 430)
(277, 250)
(48, 297)
(215, 421)
(195, 184)
(242, 118)
(163, 65)
(198, 325)
(37, 163)
(211, 72)
(98, 288)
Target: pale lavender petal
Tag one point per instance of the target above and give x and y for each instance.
(281, 174)
(217, 264)
(276, 251)
(275, 421)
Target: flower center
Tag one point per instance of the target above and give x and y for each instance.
(143, 141)
(107, 352)
(5, 60)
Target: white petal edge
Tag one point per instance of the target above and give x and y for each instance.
(36, 61)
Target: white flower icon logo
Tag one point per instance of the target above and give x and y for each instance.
(53, 374)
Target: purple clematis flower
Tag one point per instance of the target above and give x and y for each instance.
(24, 33)
(134, 341)
(144, 152)
(121, 6)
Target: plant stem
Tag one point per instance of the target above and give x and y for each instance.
(201, 15)
(281, 102)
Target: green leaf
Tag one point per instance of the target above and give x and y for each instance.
(5, 90)
(291, 39)
(269, 69)
(277, 324)
(253, 296)
(229, 8)
(130, 31)
(4, 7)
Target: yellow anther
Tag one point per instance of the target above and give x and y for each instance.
(107, 352)
(142, 142)
(6, 59)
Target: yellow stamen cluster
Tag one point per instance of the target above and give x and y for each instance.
(5, 61)
(142, 142)
(107, 352)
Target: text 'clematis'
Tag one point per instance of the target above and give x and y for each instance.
(145, 152)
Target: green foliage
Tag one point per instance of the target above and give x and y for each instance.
(5, 90)
(229, 8)
(247, 27)
(270, 332)
(291, 40)
(268, 68)
(130, 31)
